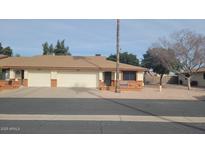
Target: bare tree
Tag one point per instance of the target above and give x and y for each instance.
(189, 49)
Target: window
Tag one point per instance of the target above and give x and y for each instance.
(18, 74)
(204, 76)
(5, 74)
(129, 75)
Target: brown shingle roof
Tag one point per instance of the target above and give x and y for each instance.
(3, 56)
(64, 62)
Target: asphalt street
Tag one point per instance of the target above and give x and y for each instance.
(95, 109)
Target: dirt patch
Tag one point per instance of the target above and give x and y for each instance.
(169, 92)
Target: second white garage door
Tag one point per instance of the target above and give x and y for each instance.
(77, 79)
(39, 78)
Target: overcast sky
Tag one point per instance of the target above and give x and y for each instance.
(88, 37)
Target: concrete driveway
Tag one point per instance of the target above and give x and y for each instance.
(50, 93)
(170, 92)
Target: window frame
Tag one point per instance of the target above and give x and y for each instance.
(129, 75)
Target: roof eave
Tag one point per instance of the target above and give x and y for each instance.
(72, 68)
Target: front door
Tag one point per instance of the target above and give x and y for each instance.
(22, 76)
(107, 78)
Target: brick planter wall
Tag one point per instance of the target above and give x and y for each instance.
(15, 84)
(9, 84)
(3, 83)
(124, 85)
(101, 85)
(25, 82)
(132, 85)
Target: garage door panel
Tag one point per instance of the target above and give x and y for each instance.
(77, 79)
(39, 78)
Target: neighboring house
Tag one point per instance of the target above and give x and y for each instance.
(1, 57)
(197, 79)
(70, 71)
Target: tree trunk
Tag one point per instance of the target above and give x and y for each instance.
(160, 82)
(189, 82)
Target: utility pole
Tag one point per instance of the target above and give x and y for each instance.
(117, 85)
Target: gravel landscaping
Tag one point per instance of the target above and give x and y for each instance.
(169, 92)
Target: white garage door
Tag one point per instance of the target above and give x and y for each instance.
(77, 79)
(39, 78)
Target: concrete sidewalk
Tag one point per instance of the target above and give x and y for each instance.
(118, 118)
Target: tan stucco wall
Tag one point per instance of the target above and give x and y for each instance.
(25, 74)
(11, 74)
(120, 76)
(195, 77)
(54, 74)
(100, 75)
(113, 76)
(139, 76)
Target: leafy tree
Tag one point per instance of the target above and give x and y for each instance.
(6, 51)
(125, 57)
(59, 49)
(159, 59)
(47, 49)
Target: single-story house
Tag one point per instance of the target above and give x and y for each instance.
(69, 71)
(197, 79)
